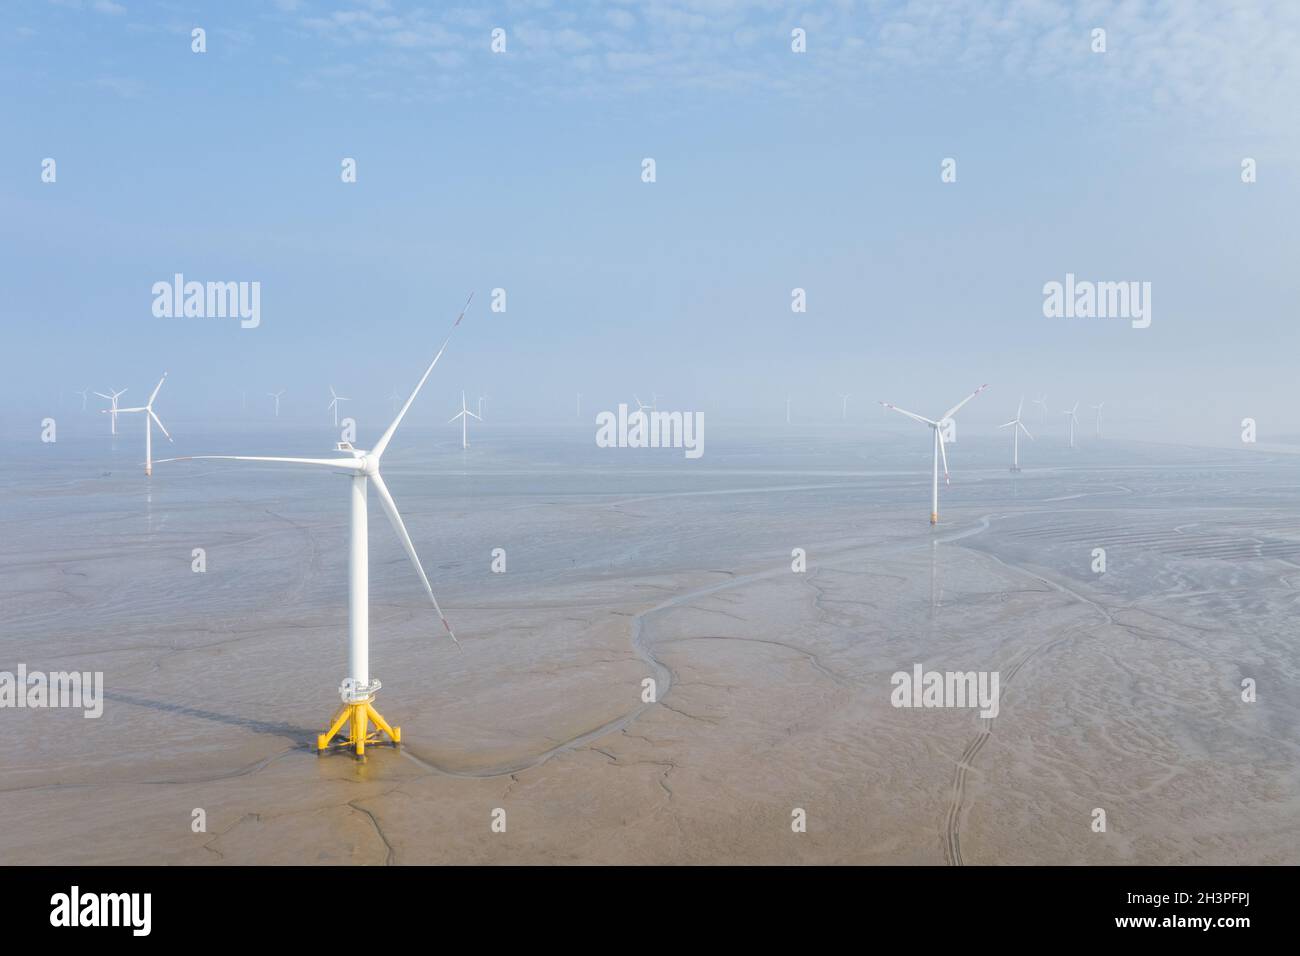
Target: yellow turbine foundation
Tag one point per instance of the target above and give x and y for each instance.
(934, 517)
(357, 717)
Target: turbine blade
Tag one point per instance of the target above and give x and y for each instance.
(347, 464)
(1009, 424)
(158, 421)
(471, 414)
(953, 411)
(944, 454)
(102, 395)
(154, 394)
(1020, 408)
(911, 415)
(384, 439)
(390, 509)
(1026, 431)
(455, 417)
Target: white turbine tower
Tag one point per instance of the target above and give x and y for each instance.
(939, 451)
(1098, 410)
(1042, 400)
(113, 410)
(1074, 420)
(276, 396)
(358, 690)
(464, 415)
(83, 393)
(844, 408)
(334, 404)
(1016, 426)
(150, 419)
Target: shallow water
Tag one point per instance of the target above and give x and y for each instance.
(1120, 690)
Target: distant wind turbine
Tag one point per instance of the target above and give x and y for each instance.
(1016, 426)
(150, 419)
(335, 404)
(939, 452)
(1074, 420)
(1042, 400)
(276, 396)
(1098, 410)
(844, 408)
(481, 400)
(83, 393)
(464, 415)
(358, 690)
(113, 410)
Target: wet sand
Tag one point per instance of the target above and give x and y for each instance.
(1119, 691)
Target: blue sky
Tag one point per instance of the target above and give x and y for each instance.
(775, 170)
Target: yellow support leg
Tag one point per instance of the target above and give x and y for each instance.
(357, 717)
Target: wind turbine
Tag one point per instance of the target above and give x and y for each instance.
(640, 407)
(1016, 426)
(939, 451)
(1042, 400)
(1074, 420)
(114, 409)
(276, 396)
(464, 415)
(481, 400)
(844, 408)
(335, 404)
(358, 689)
(1098, 409)
(83, 393)
(150, 419)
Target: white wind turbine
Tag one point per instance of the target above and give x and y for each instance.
(276, 396)
(844, 408)
(113, 410)
(334, 404)
(464, 415)
(358, 690)
(1042, 400)
(1016, 426)
(1097, 407)
(937, 427)
(83, 392)
(481, 400)
(1074, 420)
(640, 407)
(150, 419)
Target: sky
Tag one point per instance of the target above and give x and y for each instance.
(522, 170)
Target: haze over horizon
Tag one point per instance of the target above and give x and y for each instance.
(774, 170)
